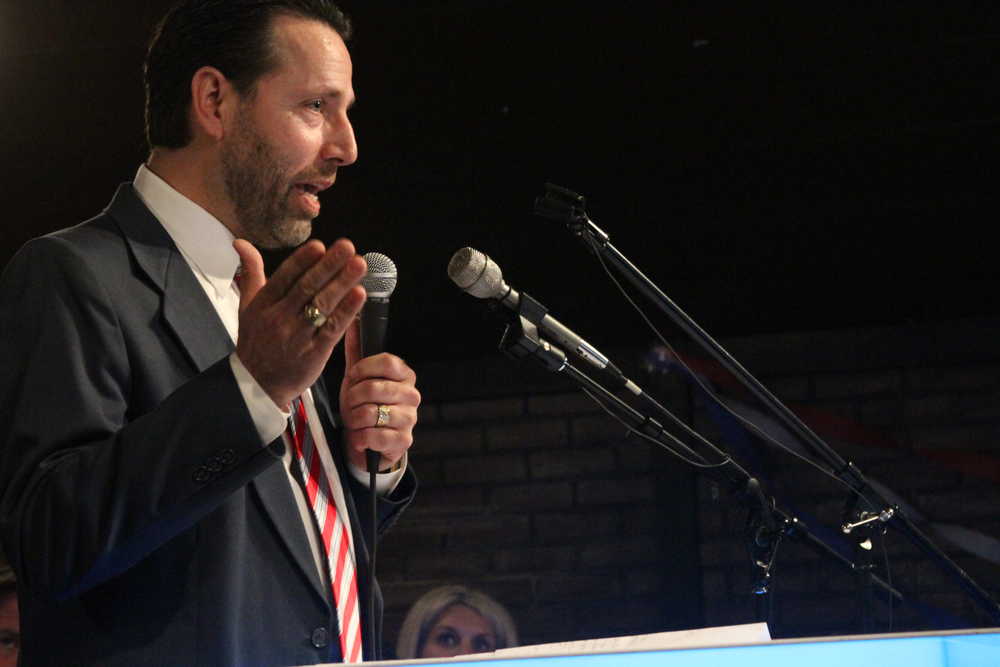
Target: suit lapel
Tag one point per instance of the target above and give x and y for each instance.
(193, 319)
(272, 487)
(186, 308)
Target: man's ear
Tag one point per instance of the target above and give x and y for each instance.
(211, 94)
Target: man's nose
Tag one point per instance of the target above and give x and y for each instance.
(340, 144)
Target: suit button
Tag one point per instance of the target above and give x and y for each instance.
(319, 638)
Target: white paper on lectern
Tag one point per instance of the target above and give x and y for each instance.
(727, 635)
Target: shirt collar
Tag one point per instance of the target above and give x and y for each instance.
(204, 241)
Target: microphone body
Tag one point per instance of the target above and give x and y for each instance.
(374, 325)
(379, 283)
(562, 335)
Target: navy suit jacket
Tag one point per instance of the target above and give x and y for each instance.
(146, 522)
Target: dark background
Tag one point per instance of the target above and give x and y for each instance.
(791, 166)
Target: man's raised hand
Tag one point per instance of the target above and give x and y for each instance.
(282, 349)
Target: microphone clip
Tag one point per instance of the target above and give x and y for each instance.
(521, 339)
(564, 205)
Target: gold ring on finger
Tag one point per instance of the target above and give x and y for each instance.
(383, 416)
(314, 315)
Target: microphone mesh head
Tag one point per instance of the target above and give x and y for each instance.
(477, 274)
(380, 280)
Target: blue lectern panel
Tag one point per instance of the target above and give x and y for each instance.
(953, 650)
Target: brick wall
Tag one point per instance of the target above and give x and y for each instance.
(532, 493)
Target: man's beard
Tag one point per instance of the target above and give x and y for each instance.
(254, 180)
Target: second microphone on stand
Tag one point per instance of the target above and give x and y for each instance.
(476, 274)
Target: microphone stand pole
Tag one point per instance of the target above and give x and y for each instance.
(769, 523)
(569, 207)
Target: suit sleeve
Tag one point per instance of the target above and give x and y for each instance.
(387, 507)
(95, 474)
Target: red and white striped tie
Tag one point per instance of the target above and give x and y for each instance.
(340, 563)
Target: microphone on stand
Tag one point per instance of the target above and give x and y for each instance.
(476, 274)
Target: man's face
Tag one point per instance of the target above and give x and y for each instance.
(285, 141)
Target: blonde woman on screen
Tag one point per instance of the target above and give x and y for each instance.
(454, 620)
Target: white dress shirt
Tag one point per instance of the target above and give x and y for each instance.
(207, 246)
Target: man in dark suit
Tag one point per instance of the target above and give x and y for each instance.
(156, 505)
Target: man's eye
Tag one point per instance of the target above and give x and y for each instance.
(9, 641)
(316, 105)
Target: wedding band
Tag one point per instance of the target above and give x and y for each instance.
(314, 315)
(383, 416)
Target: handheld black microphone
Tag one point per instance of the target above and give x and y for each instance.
(379, 283)
(476, 274)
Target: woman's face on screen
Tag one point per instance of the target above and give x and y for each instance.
(460, 630)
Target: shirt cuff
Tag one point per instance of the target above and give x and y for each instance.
(385, 482)
(269, 419)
